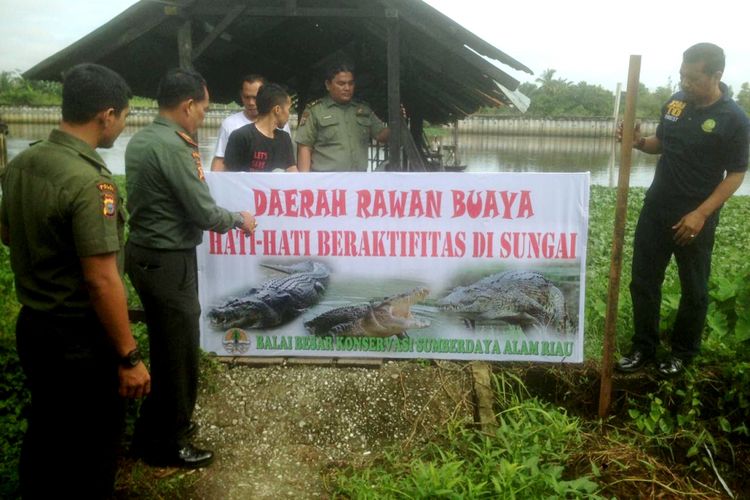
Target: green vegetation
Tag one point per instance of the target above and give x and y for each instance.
(666, 437)
(743, 97)
(17, 91)
(550, 96)
(13, 398)
(525, 457)
(553, 97)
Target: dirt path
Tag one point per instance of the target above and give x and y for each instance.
(278, 431)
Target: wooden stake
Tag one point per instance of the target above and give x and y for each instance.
(394, 89)
(615, 267)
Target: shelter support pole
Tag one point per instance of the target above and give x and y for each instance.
(615, 267)
(394, 89)
(185, 45)
(3, 147)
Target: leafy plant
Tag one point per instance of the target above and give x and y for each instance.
(525, 457)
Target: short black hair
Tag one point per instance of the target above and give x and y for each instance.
(180, 85)
(712, 57)
(341, 66)
(253, 77)
(91, 88)
(270, 95)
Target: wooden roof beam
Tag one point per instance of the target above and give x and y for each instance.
(291, 10)
(451, 71)
(228, 19)
(69, 57)
(467, 55)
(418, 10)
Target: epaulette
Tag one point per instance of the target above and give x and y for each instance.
(306, 112)
(186, 138)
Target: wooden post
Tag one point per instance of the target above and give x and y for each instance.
(394, 90)
(615, 116)
(3, 147)
(615, 268)
(185, 45)
(456, 161)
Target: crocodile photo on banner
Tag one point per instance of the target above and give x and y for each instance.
(486, 266)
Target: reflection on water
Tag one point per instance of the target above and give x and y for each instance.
(22, 134)
(481, 153)
(552, 154)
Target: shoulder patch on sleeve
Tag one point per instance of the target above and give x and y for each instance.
(186, 138)
(305, 116)
(106, 186)
(109, 205)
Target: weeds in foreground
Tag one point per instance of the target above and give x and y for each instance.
(525, 457)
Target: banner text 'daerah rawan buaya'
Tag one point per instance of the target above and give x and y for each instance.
(392, 265)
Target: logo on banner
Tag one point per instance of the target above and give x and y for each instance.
(236, 341)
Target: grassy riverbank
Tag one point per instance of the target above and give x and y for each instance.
(663, 433)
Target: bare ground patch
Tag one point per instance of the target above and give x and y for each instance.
(277, 430)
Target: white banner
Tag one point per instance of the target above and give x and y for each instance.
(483, 266)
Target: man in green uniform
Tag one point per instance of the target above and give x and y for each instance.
(334, 133)
(62, 217)
(170, 207)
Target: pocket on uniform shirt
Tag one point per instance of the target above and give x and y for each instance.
(328, 131)
(363, 126)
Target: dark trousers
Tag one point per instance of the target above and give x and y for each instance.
(167, 283)
(652, 249)
(76, 417)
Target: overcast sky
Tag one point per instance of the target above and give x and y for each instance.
(584, 40)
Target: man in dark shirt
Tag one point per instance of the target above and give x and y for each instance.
(703, 141)
(262, 146)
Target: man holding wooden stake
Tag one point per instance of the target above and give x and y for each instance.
(703, 141)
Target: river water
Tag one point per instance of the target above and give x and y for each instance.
(480, 153)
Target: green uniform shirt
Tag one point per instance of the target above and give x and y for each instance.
(339, 134)
(169, 202)
(59, 204)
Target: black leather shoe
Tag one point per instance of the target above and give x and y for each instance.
(633, 362)
(187, 457)
(671, 366)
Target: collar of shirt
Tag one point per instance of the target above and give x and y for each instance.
(680, 96)
(161, 120)
(329, 102)
(57, 136)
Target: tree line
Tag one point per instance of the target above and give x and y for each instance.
(551, 97)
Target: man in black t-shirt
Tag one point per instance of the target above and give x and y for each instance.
(703, 141)
(262, 146)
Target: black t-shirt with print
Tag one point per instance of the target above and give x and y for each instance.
(248, 150)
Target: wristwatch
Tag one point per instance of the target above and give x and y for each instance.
(131, 359)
